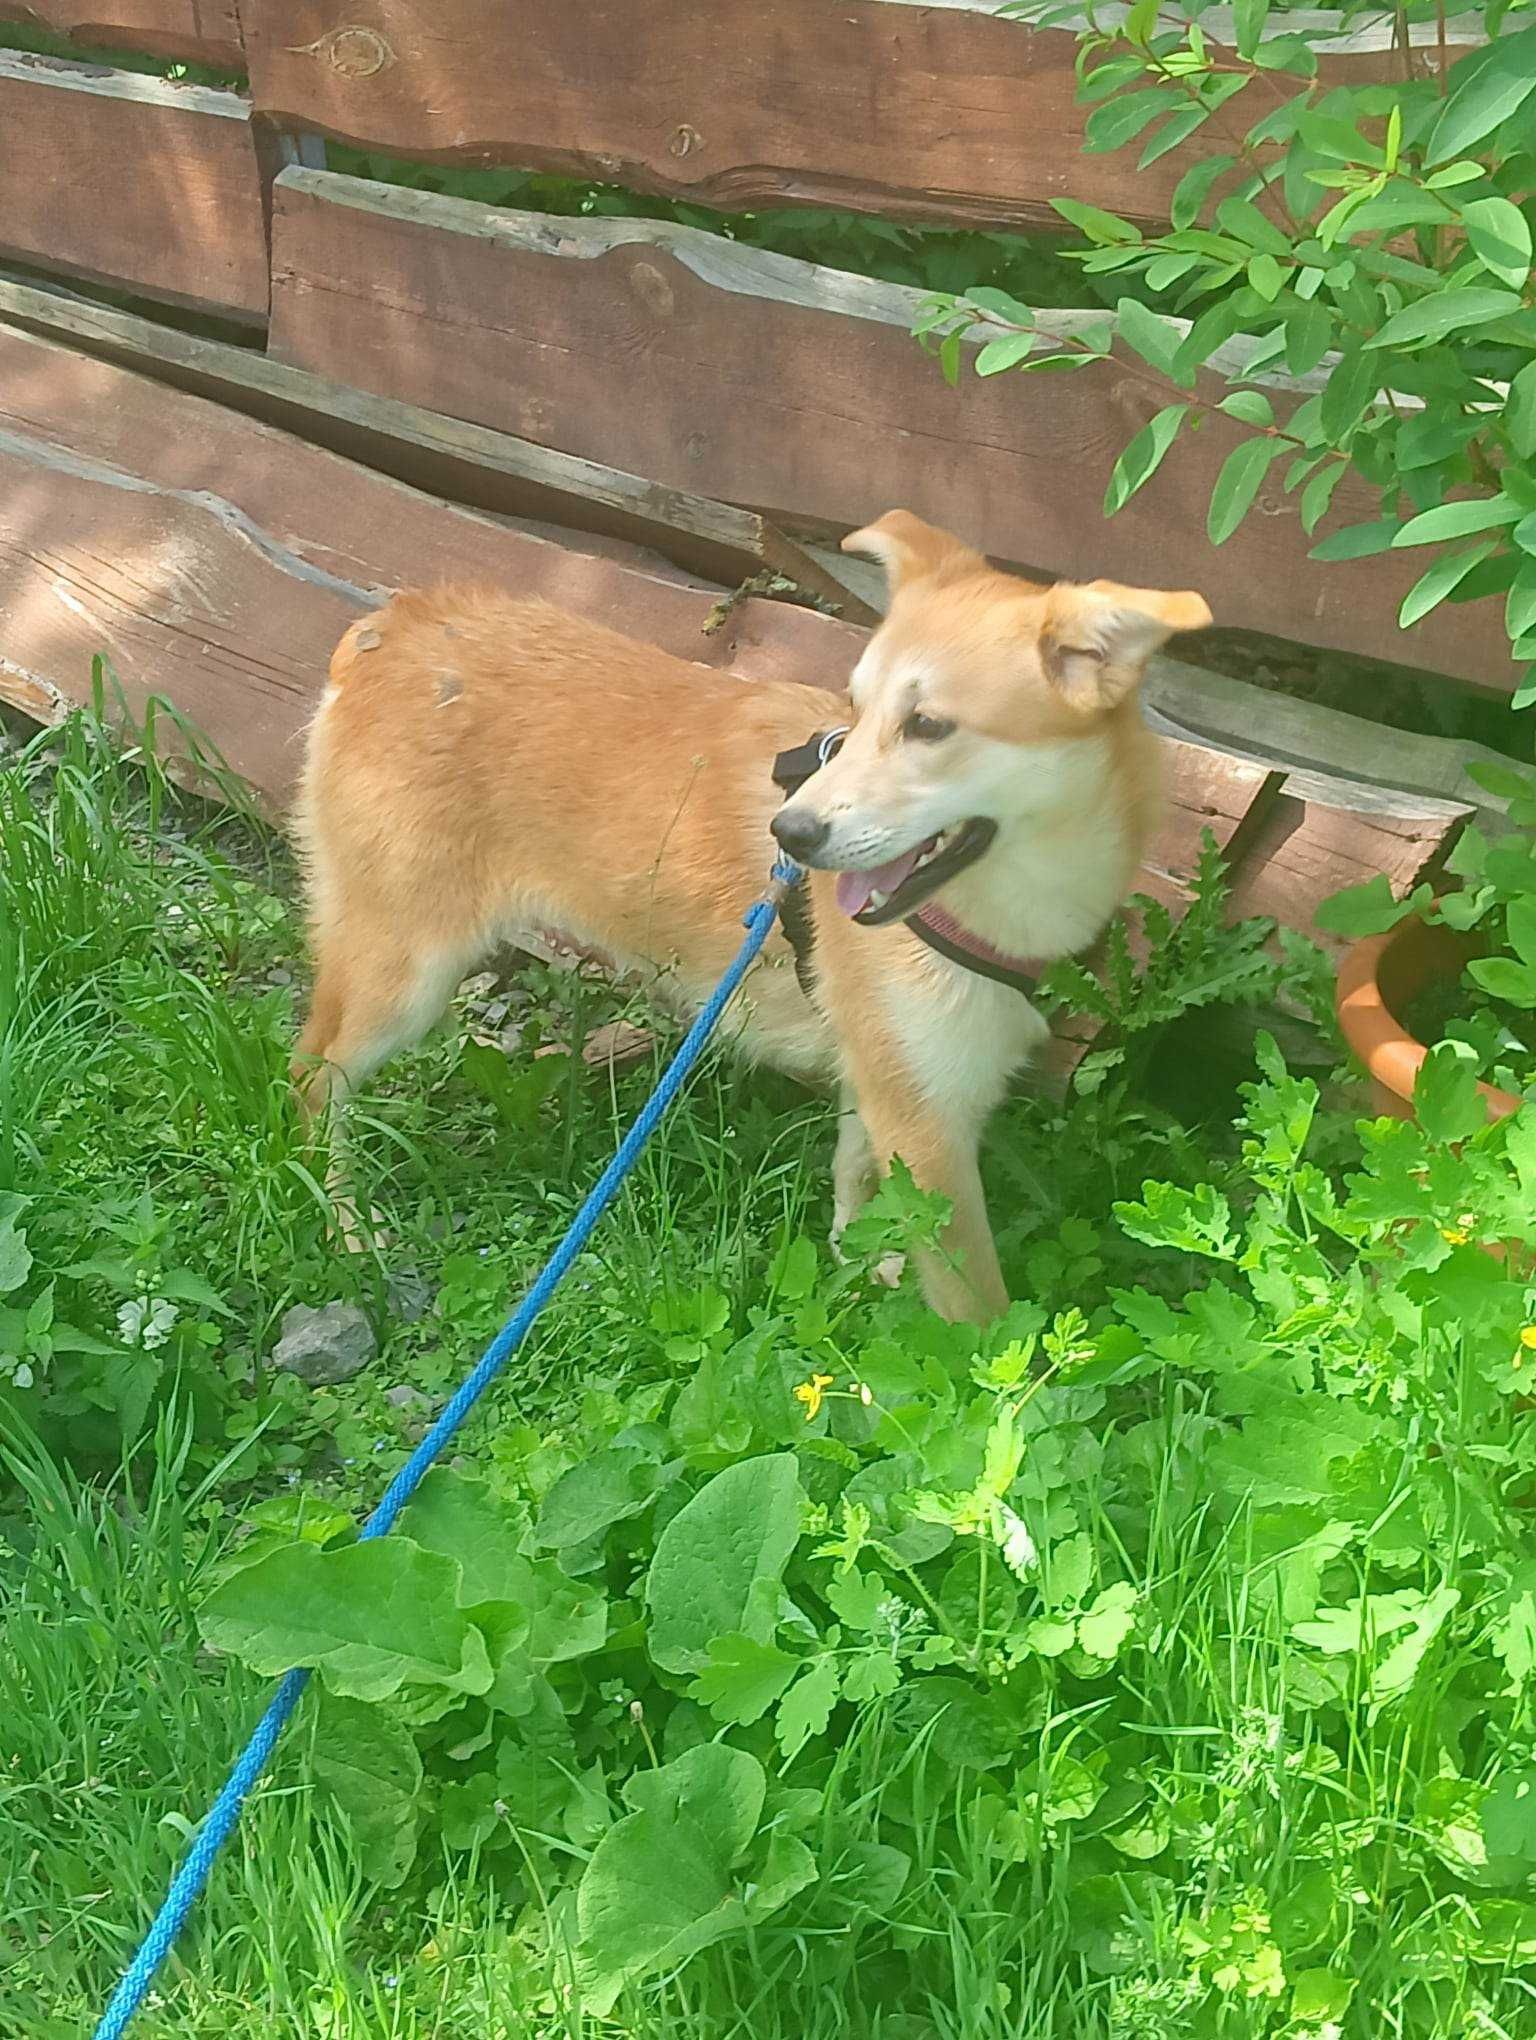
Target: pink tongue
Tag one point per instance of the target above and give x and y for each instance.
(854, 887)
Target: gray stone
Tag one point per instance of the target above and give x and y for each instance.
(404, 1397)
(325, 1346)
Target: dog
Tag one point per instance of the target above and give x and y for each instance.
(481, 762)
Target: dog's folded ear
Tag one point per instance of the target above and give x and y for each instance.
(1097, 638)
(911, 550)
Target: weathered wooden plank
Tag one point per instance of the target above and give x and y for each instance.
(471, 464)
(922, 112)
(197, 31)
(133, 181)
(768, 381)
(1321, 834)
(216, 561)
(1259, 723)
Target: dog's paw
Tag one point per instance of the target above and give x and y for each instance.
(889, 1269)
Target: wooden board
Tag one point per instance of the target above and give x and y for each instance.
(133, 181)
(198, 31)
(1320, 835)
(216, 561)
(946, 112)
(764, 380)
(469, 463)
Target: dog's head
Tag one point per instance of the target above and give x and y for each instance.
(969, 703)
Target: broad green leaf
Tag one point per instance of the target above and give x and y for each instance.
(1513, 1634)
(1457, 520)
(1319, 493)
(1143, 456)
(1122, 119)
(1241, 218)
(742, 1679)
(1367, 909)
(1513, 982)
(1195, 187)
(1445, 1095)
(1147, 335)
(1351, 386)
(606, 1488)
(15, 1257)
(660, 1885)
(1095, 224)
(1485, 91)
(1320, 1997)
(370, 1618)
(1448, 572)
(369, 1764)
(1357, 541)
(715, 1558)
(1241, 478)
(787, 1867)
(1103, 1627)
(1520, 920)
(1509, 1816)
(807, 1707)
(1447, 312)
(461, 1518)
(1251, 407)
(1520, 412)
(1248, 19)
(720, 1787)
(1007, 351)
(1400, 1667)
(1308, 336)
(1197, 1221)
(1175, 130)
(1501, 238)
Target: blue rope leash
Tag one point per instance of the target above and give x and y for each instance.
(196, 1865)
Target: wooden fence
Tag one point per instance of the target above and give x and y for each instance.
(690, 406)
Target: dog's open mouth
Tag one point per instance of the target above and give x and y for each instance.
(889, 892)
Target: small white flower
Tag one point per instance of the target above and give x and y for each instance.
(1019, 1552)
(146, 1321)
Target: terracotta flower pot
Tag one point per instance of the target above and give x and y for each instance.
(1377, 980)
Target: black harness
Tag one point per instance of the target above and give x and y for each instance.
(791, 769)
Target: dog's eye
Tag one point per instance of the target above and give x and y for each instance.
(926, 729)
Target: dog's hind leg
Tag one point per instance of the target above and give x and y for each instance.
(372, 998)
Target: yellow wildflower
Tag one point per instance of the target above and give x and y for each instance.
(1528, 1337)
(811, 1394)
(1454, 1235)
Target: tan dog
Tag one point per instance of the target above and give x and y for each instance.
(481, 763)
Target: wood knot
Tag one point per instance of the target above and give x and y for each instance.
(652, 288)
(684, 141)
(351, 52)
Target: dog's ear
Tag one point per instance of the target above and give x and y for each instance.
(910, 550)
(1097, 639)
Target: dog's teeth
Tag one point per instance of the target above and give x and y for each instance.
(878, 899)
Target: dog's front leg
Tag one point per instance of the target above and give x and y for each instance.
(964, 1281)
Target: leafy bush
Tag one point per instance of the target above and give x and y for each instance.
(640, 1671)
(1373, 240)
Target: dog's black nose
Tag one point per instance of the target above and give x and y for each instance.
(798, 831)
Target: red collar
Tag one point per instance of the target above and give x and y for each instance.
(942, 932)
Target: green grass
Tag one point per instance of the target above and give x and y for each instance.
(150, 962)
